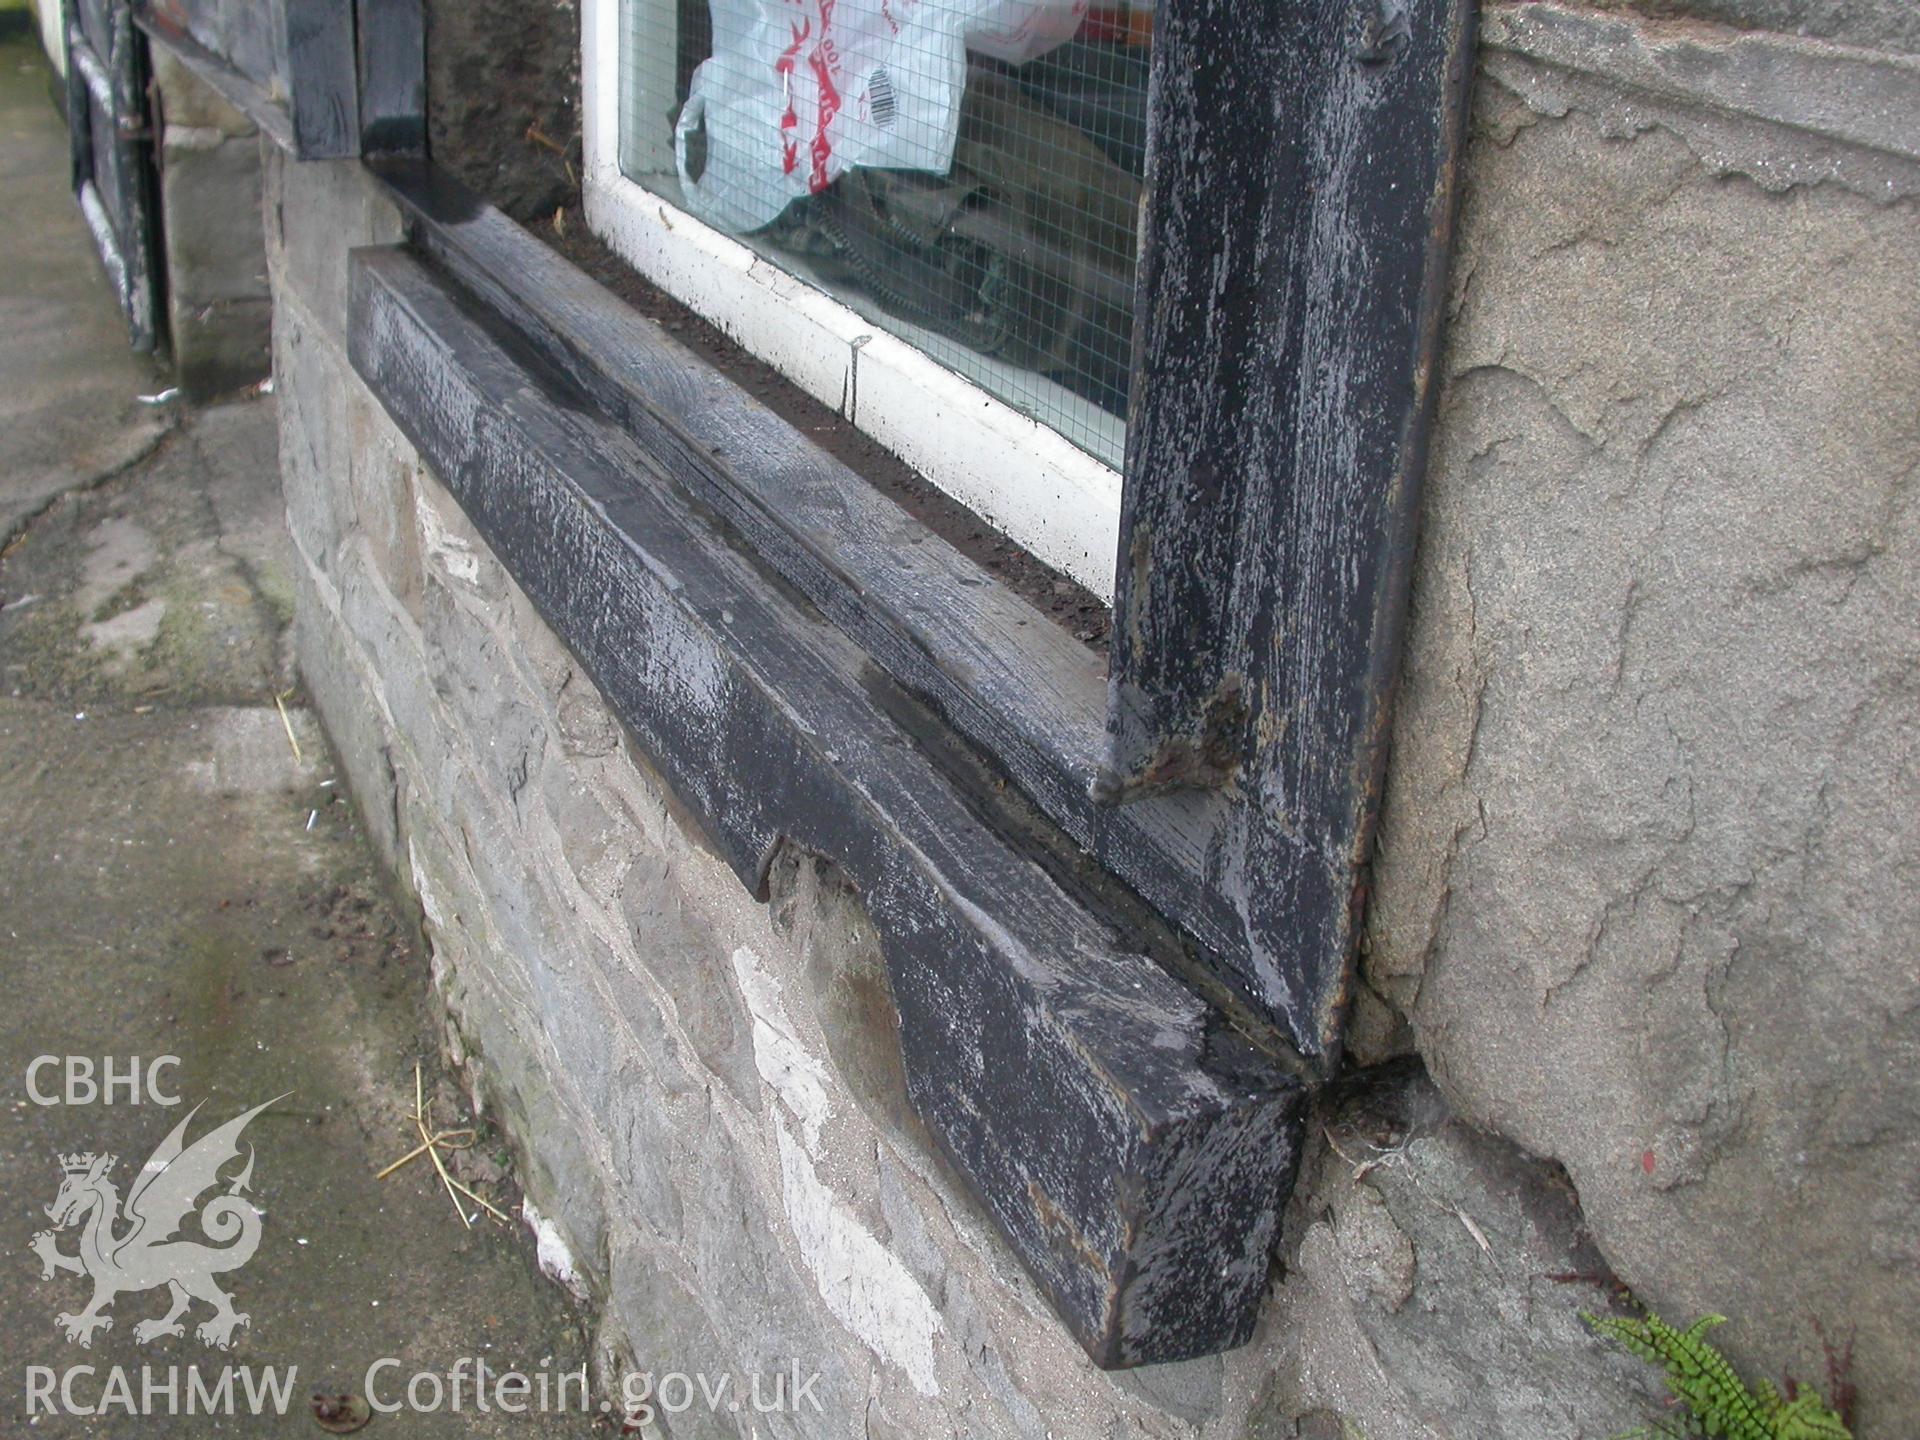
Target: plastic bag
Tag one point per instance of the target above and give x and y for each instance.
(798, 91)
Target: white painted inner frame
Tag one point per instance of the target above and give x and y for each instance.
(1025, 479)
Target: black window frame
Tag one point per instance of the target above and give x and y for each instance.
(1315, 267)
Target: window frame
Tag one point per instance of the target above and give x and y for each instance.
(1230, 774)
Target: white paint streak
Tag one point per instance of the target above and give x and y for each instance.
(453, 554)
(778, 1054)
(866, 1288)
(551, 1251)
(435, 917)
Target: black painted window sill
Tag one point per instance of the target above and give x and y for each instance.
(1133, 1146)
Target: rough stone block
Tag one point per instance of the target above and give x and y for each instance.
(219, 316)
(1435, 1288)
(330, 669)
(381, 471)
(313, 394)
(316, 212)
(672, 1328)
(210, 204)
(686, 961)
(187, 100)
(1886, 24)
(221, 346)
(1657, 716)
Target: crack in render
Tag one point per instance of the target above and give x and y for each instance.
(11, 540)
(262, 603)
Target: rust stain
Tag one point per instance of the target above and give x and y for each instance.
(1060, 1227)
(1208, 758)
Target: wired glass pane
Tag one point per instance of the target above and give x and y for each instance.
(964, 173)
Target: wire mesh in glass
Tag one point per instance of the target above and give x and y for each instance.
(965, 173)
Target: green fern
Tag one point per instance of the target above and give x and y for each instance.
(1717, 1403)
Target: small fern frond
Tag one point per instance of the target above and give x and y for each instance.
(1718, 1403)
(1808, 1418)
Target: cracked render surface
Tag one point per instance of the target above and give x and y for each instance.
(1645, 900)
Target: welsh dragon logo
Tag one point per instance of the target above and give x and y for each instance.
(139, 1246)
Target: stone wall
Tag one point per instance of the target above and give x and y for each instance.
(510, 130)
(219, 312)
(1644, 905)
(1887, 24)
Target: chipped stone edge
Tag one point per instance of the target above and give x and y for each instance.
(1781, 109)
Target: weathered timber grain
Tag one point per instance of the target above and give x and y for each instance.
(1133, 1151)
(1300, 192)
(322, 80)
(391, 38)
(995, 668)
